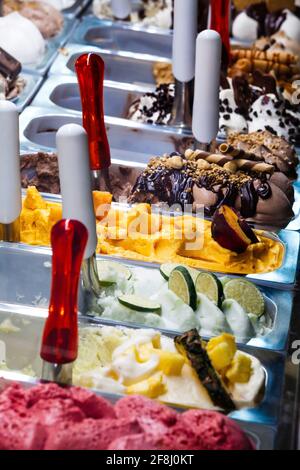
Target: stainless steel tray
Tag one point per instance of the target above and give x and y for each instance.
(52, 46)
(62, 94)
(262, 436)
(128, 140)
(283, 278)
(119, 66)
(110, 35)
(27, 339)
(25, 278)
(33, 83)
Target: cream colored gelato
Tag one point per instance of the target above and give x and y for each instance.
(21, 39)
(146, 362)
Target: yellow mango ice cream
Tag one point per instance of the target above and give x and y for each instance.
(37, 218)
(138, 234)
(145, 362)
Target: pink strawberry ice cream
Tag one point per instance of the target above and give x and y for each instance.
(50, 417)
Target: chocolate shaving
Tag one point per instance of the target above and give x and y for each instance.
(266, 82)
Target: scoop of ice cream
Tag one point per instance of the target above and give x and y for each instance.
(230, 116)
(244, 28)
(209, 180)
(50, 417)
(276, 116)
(267, 147)
(158, 13)
(59, 4)
(154, 108)
(215, 431)
(46, 18)
(285, 21)
(21, 39)
(278, 42)
(137, 406)
(41, 170)
(276, 205)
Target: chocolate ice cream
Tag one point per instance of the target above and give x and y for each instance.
(41, 170)
(236, 177)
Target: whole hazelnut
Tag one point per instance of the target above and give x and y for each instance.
(175, 162)
(203, 165)
(189, 153)
(230, 166)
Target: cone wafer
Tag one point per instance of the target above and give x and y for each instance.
(257, 167)
(237, 153)
(218, 159)
(248, 66)
(280, 57)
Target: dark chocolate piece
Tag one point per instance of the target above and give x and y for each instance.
(10, 67)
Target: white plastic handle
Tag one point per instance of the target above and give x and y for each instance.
(207, 82)
(121, 8)
(75, 180)
(184, 39)
(10, 179)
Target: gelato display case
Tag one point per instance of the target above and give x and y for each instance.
(120, 152)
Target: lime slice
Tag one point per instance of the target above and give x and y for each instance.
(209, 285)
(110, 271)
(135, 302)
(167, 268)
(182, 284)
(224, 280)
(246, 294)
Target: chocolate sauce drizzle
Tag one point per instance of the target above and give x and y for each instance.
(176, 187)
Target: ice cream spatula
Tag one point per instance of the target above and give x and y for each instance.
(121, 9)
(76, 192)
(220, 22)
(60, 337)
(10, 179)
(90, 74)
(206, 93)
(184, 40)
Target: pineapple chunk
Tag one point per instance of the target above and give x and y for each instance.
(240, 369)
(156, 341)
(221, 350)
(151, 388)
(170, 363)
(143, 352)
(33, 200)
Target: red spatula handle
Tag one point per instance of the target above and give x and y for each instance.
(60, 337)
(220, 22)
(90, 74)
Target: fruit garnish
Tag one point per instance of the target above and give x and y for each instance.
(246, 294)
(190, 346)
(182, 284)
(230, 231)
(135, 302)
(209, 285)
(166, 269)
